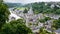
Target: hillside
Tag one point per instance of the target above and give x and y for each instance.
(10, 5)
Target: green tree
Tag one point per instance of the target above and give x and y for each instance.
(1, 1)
(38, 7)
(4, 13)
(56, 24)
(57, 11)
(47, 18)
(44, 20)
(16, 27)
(43, 31)
(25, 11)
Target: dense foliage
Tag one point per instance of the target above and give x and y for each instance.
(44, 7)
(16, 27)
(44, 20)
(4, 13)
(56, 24)
(25, 11)
(43, 31)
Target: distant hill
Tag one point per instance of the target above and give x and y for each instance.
(10, 5)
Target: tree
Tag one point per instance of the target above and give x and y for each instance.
(42, 20)
(56, 24)
(4, 13)
(38, 7)
(25, 11)
(1, 1)
(43, 31)
(57, 11)
(45, 19)
(16, 27)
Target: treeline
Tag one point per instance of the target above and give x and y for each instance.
(45, 7)
(11, 5)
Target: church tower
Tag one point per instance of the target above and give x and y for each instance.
(30, 11)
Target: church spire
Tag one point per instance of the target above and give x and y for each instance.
(30, 11)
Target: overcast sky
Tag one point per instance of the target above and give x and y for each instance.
(29, 1)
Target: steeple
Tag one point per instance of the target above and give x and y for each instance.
(30, 11)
